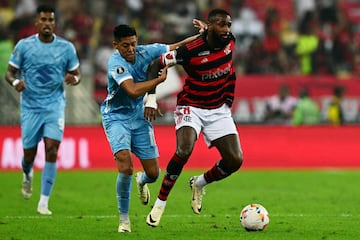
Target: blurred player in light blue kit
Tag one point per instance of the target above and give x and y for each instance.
(126, 120)
(38, 68)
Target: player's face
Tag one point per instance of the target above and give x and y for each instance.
(127, 47)
(220, 28)
(45, 23)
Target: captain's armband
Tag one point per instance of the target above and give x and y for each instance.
(168, 59)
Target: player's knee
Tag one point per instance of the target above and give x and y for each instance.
(51, 153)
(239, 160)
(125, 169)
(153, 174)
(184, 151)
(236, 161)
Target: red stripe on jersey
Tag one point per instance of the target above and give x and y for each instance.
(214, 56)
(196, 43)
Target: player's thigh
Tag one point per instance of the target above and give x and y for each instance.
(118, 135)
(229, 146)
(54, 123)
(143, 143)
(31, 129)
(187, 116)
(219, 128)
(218, 124)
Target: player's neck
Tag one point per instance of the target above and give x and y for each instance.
(213, 44)
(46, 38)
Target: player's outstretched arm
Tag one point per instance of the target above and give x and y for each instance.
(197, 24)
(136, 89)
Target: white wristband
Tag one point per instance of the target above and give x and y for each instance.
(151, 101)
(77, 79)
(15, 82)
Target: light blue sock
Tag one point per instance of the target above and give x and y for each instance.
(26, 167)
(123, 188)
(48, 178)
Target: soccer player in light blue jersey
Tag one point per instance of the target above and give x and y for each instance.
(38, 68)
(126, 121)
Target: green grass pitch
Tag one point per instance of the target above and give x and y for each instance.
(303, 204)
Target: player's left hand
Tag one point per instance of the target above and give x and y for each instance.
(202, 26)
(150, 113)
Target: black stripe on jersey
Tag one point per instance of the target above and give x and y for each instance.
(204, 87)
(195, 44)
(213, 63)
(209, 96)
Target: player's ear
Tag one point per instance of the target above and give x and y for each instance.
(209, 24)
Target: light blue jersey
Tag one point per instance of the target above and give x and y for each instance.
(43, 67)
(117, 100)
(122, 116)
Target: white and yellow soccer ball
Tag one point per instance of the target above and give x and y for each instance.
(254, 217)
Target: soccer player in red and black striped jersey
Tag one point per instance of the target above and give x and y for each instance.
(203, 105)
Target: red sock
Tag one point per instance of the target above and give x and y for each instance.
(173, 170)
(215, 173)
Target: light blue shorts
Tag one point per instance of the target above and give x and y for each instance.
(136, 135)
(37, 125)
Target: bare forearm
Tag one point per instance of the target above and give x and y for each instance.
(183, 42)
(145, 87)
(135, 90)
(11, 75)
(154, 69)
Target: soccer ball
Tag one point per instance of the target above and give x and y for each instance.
(254, 217)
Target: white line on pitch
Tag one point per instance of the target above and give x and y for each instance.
(343, 215)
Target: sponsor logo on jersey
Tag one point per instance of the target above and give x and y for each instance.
(120, 70)
(204, 60)
(203, 53)
(219, 72)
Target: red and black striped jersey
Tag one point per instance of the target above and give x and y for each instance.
(211, 76)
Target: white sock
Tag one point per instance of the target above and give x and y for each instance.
(44, 201)
(124, 217)
(160, 202)
(200, 181)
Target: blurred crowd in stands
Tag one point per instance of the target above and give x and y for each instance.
(273, 36)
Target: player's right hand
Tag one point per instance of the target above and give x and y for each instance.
(163, 73)
(150, 113)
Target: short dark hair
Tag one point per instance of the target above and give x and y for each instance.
(216, 11)
(45, 8)
(123, 30)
